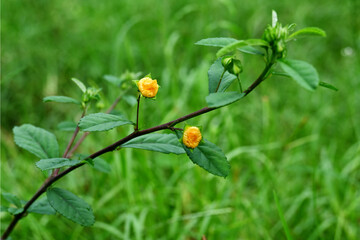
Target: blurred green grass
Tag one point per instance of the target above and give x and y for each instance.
(305, 146)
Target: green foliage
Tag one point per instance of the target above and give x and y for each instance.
(214, 74)
(159, 198)
(223, 42)
(36, 140)
(41, 206)
(221, 99)
(240, 44)
(61, 99)
(309, 31)
(164, 143)
(302, 72)
(11, 198)
(70, 206)
(281, 214)
(67, 126)
(102, 122)
(101, 165)
(52, 163)
(328, 85)
(80, 84)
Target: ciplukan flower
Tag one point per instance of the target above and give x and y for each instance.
(148, 87)
(191, 137)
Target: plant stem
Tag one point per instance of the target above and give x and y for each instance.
(56, 171)
(137, 114)
(222, 75)
(169, 125)
(77, 144)
(239, 81)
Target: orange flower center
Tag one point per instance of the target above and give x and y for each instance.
(192, 137)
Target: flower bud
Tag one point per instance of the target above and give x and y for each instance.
(148, 87)
(191, 137)
(232, 65)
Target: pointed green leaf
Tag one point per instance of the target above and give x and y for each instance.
(79, 84)
(328, 85)
(52, 163)
(101, 165)
(11, 198)
(222, 42)
(208, 156)
(36, 140)
(309, 31)
(67, 126)
(70, 206)
(61, 99)
(214, 74)
(165, 143)
(302, 72)
(241, 43)
(220, 99)
(41, 206)
(216, 42)
(102, 122)
(274, 18)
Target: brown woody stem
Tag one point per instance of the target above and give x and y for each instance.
(169, 125)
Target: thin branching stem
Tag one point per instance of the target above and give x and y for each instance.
(77, 144)
(137, 113)
(169, 125)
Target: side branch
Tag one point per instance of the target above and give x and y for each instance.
(169, 125)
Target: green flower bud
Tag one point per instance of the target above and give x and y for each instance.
(226, 61)
(232, 65)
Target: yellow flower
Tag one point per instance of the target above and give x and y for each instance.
(148, 87)
(191, 137)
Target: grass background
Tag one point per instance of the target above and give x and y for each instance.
(302, 145)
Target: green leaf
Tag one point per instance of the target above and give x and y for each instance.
(4, 209)
(102, 122)
(328, 85)
(41, 206)
(241, 43)
(36, 140)
(214, 74)
(67, 126)
(302, 72)
(309, 31)
(274, 18)
(61, 99)
(208, 156)
(165, 143)
(15, 211)
(11, 198)
(220, 99)
(222, 42)
(79, 84)
(70, 206)
(101, 165)
(113, 80)
(216, 42)
(52, 163)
